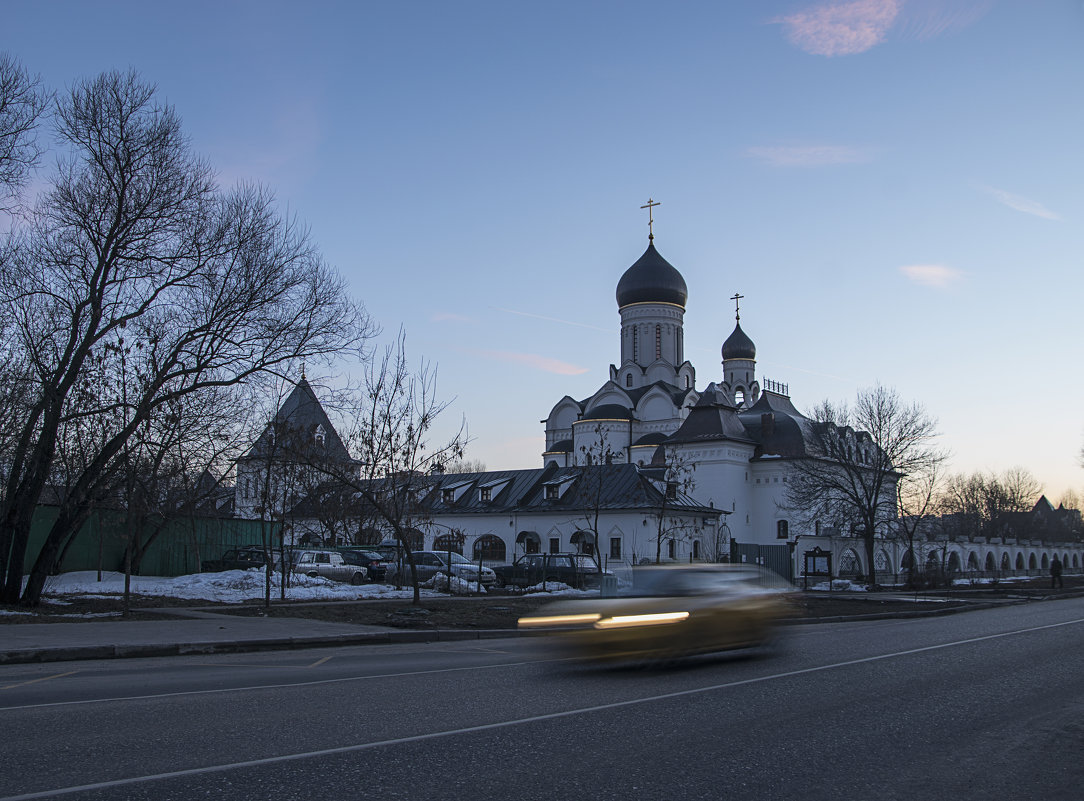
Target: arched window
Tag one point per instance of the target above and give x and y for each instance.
(670, 549)
(489, 548)
(628, 380)
(782, 529)
(696, 549)
(849, 565)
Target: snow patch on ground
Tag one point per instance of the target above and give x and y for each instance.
(238, 586)
(230, 586)
(839, 585)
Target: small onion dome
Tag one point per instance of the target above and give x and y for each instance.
(652, 279)
(739, 346)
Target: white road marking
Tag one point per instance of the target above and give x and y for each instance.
(349, 749)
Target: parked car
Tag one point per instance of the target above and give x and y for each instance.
(373, 562)
(575, 570)
(329, 564)
(429, 563)
(671, 611)
(235, 559)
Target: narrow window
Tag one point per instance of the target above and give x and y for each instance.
(696, 549)
(670, 549)
(782, 530)
(671, 490)
(615, 547)
(635, 344)
(658, 342)
(628, 380)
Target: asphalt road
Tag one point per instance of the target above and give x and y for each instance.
(985, 704)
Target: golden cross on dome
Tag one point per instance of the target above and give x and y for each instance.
(737, 308)
(651, 204)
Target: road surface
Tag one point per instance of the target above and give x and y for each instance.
(985, 704)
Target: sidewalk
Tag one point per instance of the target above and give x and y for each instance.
(199, 633)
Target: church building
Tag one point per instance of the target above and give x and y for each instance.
(650, 412)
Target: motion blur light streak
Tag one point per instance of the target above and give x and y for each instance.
(626, 621)
(557, 620)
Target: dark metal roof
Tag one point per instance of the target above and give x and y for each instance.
(292, 432)
(776, 425)
(711, 419)
(652, 279)
(738, 345)
(609, 411)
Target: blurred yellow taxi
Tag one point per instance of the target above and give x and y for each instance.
(671, 611)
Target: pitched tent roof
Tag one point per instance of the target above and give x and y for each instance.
(294, 431)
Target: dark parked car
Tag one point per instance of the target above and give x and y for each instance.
(235, 559)
(370, 560)
(429, 563)
(573, 569)
(329, 564)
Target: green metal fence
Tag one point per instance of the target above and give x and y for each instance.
(178, 547)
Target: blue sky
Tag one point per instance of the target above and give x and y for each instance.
(894, 185)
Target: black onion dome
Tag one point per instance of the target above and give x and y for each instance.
(652, 279)
(739, 346)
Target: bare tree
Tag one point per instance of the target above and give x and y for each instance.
(854, 458)
(1069, 500)
(916, 505)
(22, 105)
(134, 239)
(674, 474)
(465, 466)
(388, 430)
(594, 483)
(974, 502)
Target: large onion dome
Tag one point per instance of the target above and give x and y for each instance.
(652, 279)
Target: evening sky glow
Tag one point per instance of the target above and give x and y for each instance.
(893, 185)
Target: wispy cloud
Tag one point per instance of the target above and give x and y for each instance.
(1020, 203)
(935, 275)
(840, 29)
(927, 19)
(809, 155)
(543, 363)
(451, 317)
(554, 319)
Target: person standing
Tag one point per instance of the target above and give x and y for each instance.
(1055, 573)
